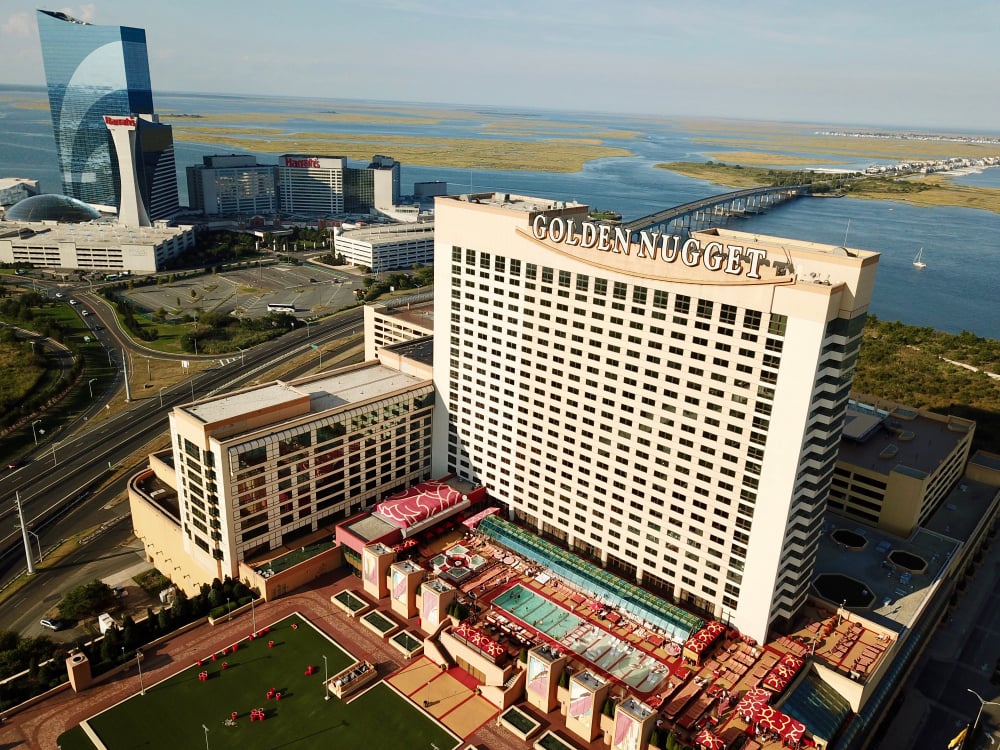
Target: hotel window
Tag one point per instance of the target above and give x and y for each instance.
(776, 326)
(682, 304)
(704, 309)
(639, 295)
(751, 319)
(620, 289)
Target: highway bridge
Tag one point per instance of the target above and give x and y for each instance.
(716, 209)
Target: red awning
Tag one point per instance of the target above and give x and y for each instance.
(709, 740)
(473, 522)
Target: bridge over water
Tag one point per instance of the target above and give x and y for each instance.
(716, 209)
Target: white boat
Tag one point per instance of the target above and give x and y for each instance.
(918, 261)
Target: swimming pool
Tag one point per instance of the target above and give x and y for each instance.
(538, 612)
(604, 650)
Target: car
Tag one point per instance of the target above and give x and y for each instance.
(59, 295)
(53, 623)
(73, 302)
(17, 463)
(312, 280)
(84, 313)
(98, 328)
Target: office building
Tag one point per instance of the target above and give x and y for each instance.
(259, 469)
(325, 186)
(387, 247)
(232, 185)
(671, 407)
(93, 71)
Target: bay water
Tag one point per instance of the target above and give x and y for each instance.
(957, 291)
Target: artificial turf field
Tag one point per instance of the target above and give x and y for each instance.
(173, 713)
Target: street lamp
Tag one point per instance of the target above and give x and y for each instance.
(326, 679)
(229, 612)
(206, 736)
(34, 434)
(90, 385)
(38, 542)
(161, 396)
(253, 614)
(975, 725)
(243, 359)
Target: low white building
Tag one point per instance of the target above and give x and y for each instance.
(92, 245)
(386, 247)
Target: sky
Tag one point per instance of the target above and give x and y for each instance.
(921, 64)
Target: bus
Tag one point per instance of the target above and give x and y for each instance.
(280, 307)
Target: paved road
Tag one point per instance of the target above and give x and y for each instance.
(960, 657)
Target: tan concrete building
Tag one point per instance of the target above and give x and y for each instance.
(670, 407)
(397, 320)
(897, 464)
(257, 471)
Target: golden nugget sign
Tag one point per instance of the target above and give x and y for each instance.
(735, 260)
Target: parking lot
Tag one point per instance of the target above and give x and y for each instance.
(313, 290)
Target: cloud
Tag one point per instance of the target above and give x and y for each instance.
(18, 24)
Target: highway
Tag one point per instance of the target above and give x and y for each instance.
(58, 488)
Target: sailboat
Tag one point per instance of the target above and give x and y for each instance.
(918, 261)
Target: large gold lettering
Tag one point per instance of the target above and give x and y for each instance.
(690, 253)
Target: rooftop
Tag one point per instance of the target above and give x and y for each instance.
(50, 231)
(896, 439)
(513, 202)
(378, 234)
(327, 390)
(420, 350)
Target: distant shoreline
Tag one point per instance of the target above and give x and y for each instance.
(939, 190)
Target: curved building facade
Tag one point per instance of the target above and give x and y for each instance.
(92, 71)
(670, 407)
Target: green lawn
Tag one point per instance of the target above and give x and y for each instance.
(173, 713)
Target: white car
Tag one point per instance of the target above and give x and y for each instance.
(73, 302)
(84, 313)
(59, 295)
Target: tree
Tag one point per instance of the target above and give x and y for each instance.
(86, 600)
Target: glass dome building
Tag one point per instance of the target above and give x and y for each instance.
(50, 207)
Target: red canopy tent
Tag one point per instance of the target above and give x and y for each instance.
(783, 673)
(753, 702)
(709, 740)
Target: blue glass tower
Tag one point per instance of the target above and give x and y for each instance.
(92, 71)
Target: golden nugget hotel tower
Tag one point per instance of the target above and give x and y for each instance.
(669, 406)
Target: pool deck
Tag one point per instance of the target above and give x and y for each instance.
(730, 665)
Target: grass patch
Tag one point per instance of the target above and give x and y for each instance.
(379, 622)
(349, 600)
(302, 718)
(765, 159)
(549, 155)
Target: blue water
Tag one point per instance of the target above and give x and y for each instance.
(538, 612)
(955, 292)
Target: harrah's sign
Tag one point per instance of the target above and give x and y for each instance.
(735, 260)
(309, 162)
(126, 121)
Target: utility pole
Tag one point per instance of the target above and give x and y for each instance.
(128, 390)
(24, 533)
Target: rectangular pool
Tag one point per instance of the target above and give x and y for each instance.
(538, 612)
